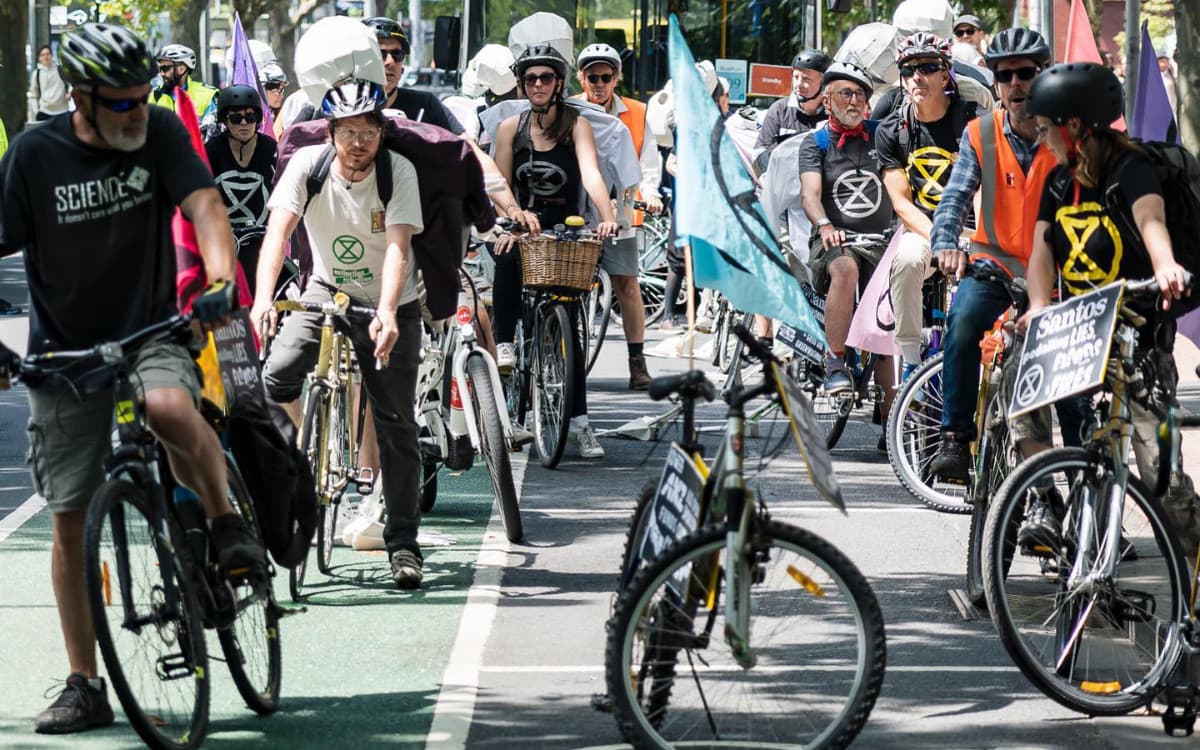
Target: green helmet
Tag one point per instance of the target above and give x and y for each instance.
(103, 54)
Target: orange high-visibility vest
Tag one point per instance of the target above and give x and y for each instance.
(1008, 197)
(634, 118)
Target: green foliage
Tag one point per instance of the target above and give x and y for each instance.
(1160, 17)
(139, 15)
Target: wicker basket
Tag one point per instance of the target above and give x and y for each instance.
(551, 263)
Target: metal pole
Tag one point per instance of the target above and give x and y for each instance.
(1046, 16)
(874, 11)
(417, 35)
(1133, 43)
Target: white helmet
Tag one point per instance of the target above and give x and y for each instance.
(272, 73)
(490, 70)
(599, 53)
(934, 16)
(334, 50)
(543, 28)
(177, 53)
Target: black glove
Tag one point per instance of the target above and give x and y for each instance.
(218, 301)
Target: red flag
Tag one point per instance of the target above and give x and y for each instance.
(190, 280)
(1081, 44)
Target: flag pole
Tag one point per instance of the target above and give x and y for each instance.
(690, 285)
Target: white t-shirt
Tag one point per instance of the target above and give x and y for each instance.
(347, 225)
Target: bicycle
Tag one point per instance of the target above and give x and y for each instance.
(153, 583)
(332, 422)
(557, 268)
(759, 576)
(1103, 623)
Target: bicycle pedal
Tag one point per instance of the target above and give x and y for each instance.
(175, 667)
(602, 702)
(289, 610)
(1179, 718)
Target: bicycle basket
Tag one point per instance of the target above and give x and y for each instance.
(551, 263)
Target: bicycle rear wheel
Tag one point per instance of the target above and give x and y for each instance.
(914, 435)
(553, 389)
(251, 644)
(1102, 647)
(832, 412)
(815, 627)
(148, 624)
(598, 304)
(494, 446)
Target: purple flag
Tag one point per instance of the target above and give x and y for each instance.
(243, 70)
(1153, 119)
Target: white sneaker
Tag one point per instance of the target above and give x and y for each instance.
(506, 357)
(589, 446)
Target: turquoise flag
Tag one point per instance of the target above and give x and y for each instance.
(734, 249)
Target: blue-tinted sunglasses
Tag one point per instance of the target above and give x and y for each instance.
(120, 106)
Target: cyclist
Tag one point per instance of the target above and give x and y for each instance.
(274, 82)
(916, 146)
(423, 106)
(548, 155)
(363, 248)
(120, 170)
(968, 29)
(1000, 152)
(599, 73)
(243, 164)
(802, 110)
(175, 65)
(841, 191)
(1075, 105)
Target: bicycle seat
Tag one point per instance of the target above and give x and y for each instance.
(689, 385)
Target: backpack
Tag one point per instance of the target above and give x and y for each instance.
(821, 134)
(962, 110)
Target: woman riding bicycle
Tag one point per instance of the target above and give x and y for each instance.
(1092, 240)
(548, 155)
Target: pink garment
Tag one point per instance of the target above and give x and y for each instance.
(873, 327)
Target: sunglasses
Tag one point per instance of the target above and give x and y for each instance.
(600, 78)
(273, 87)
(120, 106)
(545, 79)
(166, 68)
(238, 118)
(396, 54)
(1027, 73)
(964, 31)
(929, 68)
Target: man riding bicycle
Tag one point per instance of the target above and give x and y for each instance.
(841, 192)
(363, 248)
(100, 260)
(175, 65)
(802, 110)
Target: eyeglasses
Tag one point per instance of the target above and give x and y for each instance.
(849, 95)
(273, 87)
(600, 78)
(1025, 74)
(357, 136)
(120, 106)
(166, 68)
(545, 79)
(929, 68)
(238, 118)
(964, 31)
(1042, 132)
(396, 54)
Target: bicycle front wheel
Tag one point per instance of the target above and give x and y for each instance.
(1098, 644)
(553, 384)
(598, 306)
(494, 446)
(997, 457)
(815, 627)
(147, 621)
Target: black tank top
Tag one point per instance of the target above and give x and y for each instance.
(547, 182)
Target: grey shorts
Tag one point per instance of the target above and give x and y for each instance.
(620, 257)
(70, 436)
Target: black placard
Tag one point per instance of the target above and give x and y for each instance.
(809, 439)
(1066, 349)
(241, 373)
(675, 512)
(807, 346)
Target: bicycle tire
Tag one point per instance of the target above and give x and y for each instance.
(652, 283)
(636, 535)
(494, 447)
(913, 437)
(258, 620)
(554, 358)
(650, 712)
(598, 308)
(167, 724)
(429, 485)
(830, 418)
(1145, 530)
(995, 463)
(296, 575)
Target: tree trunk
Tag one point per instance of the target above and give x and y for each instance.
(1187, 57)
(14, 77)
(185, 27)
(284, 39)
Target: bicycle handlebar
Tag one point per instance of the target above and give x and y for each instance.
(349, 311)
(692, 384)
(35, 366)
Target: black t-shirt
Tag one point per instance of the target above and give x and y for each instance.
(851, 192)
(96, 228)
(424, 106)
(244, 189)
(782, 121)
(546, 182)
(930, 154)
(1092, 247)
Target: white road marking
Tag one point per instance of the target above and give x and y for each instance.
(455, 706)
(20, 515)
(775, 511)
(596, 669)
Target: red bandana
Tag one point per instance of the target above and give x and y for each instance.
(845, 133)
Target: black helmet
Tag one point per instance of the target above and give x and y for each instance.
(386, 28)
(844, 71)
(238, 96)
(541, 54)
(812, 59)
(104, 54)
(352, 97)
(1088, 91)
(1015, 43)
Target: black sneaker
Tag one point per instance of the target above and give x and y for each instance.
(952, 462)
(837, 380)
(406, 569)
(78, 707)
(238, 550)
(1041, 534)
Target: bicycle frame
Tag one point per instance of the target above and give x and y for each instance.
(464, 319)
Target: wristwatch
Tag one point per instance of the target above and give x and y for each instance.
(823, 223)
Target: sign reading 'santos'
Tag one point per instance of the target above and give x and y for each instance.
(770, 80)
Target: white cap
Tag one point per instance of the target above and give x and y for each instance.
(489, 70)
